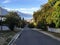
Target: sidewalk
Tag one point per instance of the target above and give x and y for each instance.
(48, 34)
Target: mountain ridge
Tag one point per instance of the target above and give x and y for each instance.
(23, 15)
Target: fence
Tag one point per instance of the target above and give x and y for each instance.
(4, 28)
(56, 30)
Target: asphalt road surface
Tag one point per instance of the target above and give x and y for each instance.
(32, 37)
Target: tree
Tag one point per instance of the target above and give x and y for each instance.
(12, 20)
(49, 14)
(31, 25)
(23, 23)
(52, 2)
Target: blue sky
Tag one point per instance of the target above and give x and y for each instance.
(26, 6)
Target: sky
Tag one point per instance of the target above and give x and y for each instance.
(25, 6)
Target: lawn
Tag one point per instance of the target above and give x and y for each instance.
(6, 36)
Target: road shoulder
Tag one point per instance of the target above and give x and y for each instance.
(48, 34)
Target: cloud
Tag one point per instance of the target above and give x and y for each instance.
(24, 10)
(6, 1)
(28, 10)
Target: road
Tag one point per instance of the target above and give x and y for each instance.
(32, 37)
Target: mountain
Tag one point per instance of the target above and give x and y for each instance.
(3, 11)
(24, 15)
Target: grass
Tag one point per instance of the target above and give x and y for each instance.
(6, 36)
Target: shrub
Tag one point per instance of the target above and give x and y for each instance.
(52, 25)
(41, 25)
(22, 25)
(31, 25)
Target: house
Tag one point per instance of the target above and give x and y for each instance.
(3, 12)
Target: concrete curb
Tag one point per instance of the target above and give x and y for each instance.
(39, 30)
(54, 37)
(15, 37)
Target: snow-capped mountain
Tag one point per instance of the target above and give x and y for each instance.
(3, 11)
(23, 15)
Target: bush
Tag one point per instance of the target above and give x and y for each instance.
(31, 25)
(22, 26)
(41, 25)
(52, 25)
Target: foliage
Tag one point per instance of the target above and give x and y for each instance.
(12, 20)
(49, 14)
(31, 25)
(23, 23)
(56, 14)
(52, 25)
(41, 25)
